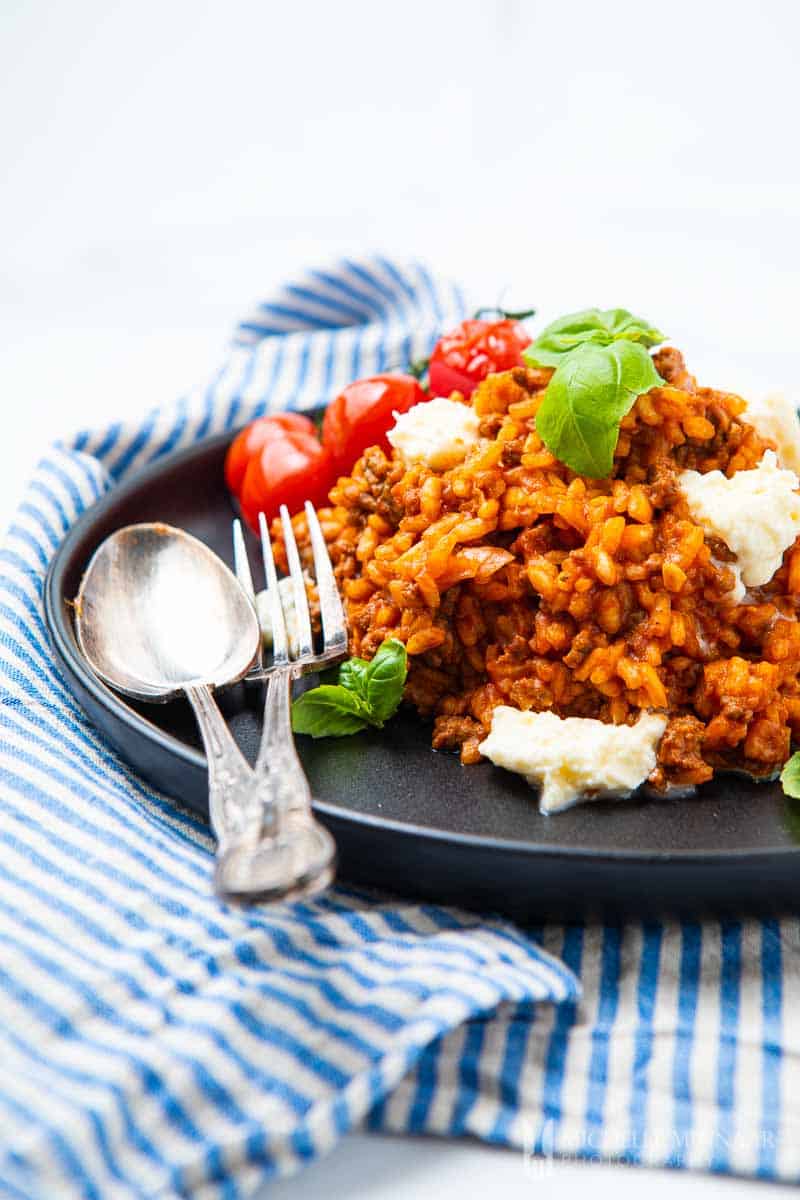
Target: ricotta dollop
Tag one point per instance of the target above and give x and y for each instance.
(438, 433)
(775, 417)
(573, 758)
(263, 606)
(756, 513)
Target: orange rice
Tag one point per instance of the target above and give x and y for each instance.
(511, 580)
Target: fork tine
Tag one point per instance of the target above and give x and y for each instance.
(280, 640)
(241, 564)
(305, 641)
(334, 626)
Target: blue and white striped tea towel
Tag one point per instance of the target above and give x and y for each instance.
(155, 1042)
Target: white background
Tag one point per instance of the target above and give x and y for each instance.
(166, 163)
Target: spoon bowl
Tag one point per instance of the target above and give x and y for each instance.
(159, 614)
(158, 611)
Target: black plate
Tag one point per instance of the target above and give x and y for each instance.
(417, 822)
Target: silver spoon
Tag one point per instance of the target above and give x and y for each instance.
(159, 614)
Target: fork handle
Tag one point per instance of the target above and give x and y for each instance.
(286, 790)
(234, 807)
(278, 763)
(292, 855)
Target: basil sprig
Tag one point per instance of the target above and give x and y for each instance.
(600, 326)
(602, 365)
(367, 693)
(790, 776)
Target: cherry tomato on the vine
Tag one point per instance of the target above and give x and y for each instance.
(360, 415)
(250, 439)
(475, 349)
(286, 470)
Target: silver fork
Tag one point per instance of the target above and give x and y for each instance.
(295, 854)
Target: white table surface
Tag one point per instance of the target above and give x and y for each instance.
(166, 164)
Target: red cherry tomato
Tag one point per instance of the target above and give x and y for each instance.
(286, 470)
(475, 349)
(255, 435)
(361, 415)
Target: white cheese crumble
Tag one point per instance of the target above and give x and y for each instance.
(438, 432)
(263, 604)
(756, 513)
(775, 417)
(573, 758)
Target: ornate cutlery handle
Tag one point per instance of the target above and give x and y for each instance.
(278, 764)
(286, 791)
(270, 846)
(235, 803)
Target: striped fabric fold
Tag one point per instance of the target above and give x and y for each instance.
(156, 1042)
(682, 1052)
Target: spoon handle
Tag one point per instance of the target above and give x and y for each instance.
(232, 789)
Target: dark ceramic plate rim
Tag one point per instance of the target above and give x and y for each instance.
(57, 622)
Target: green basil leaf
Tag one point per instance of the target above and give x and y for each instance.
(585, 401)
(790, 776)
(624, 326)
(385, 678)
(594, 325)
(352, 675)
(328, 711)
(367, 693)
